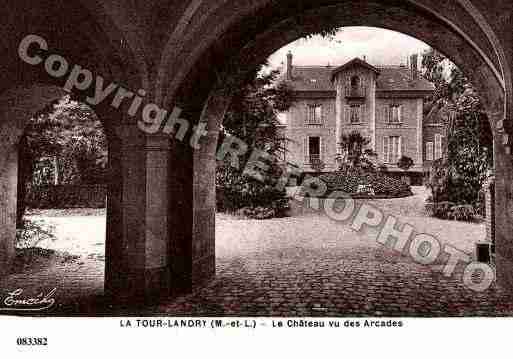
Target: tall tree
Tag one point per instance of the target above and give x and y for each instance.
(69, 132)
(253, 118)
(470, 140)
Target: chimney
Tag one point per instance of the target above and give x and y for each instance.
(289, 65)
(414, 59)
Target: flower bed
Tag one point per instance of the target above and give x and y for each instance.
(365, 184)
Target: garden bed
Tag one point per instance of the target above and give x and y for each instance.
(365, 184)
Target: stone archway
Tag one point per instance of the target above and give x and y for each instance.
(17, 107)
(251, 43)
(160, 233)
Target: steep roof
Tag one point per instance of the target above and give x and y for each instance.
(354, 62)
(390, 78)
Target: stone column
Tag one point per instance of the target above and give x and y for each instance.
(371, 96)
(503, 214)
(339, 114)
(193, 201)
(489, 197)
(8, 191)
(137, 268)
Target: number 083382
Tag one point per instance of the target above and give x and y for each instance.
(32, 341)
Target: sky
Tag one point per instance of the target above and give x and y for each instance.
(379, 46)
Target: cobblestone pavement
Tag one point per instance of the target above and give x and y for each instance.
(306, 265)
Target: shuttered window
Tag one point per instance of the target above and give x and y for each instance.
(355, 114)
(438, 146)
(392, 149)
(429, 151)
(386, 145)
(305, 150)
(314, 115)
(394, 114)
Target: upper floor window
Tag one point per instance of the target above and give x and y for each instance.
(394, 114)
(314, 115)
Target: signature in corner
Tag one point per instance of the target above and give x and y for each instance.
(16, 302)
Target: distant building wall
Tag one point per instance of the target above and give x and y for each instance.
(407, 129)
(298, 131)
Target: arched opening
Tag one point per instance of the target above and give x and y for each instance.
(59, 184)
(251, 44)
(160, 230)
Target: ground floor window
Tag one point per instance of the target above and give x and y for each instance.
(314, 149)
(438, 146)
(429, 151)
(392, 149)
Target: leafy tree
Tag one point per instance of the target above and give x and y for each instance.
(353, 144)
(459, 177)
(70, 133)
(253, 118)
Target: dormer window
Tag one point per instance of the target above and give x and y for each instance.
(354, 87)
(355, 82)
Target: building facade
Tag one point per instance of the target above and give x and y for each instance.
(384, 104)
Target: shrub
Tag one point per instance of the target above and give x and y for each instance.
(440, 210)
(349, 179)
(464, 212)
(449, 210)
(33, 232)
(237, 193)
(405, 163)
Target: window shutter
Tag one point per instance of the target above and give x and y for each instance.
(307, 115)
(386, 114)
(400, 150)
(385, 149)
(399, 114)
(363, 111)
(438, 146)
(429, 151)
(305, 149)
(347, 114)
(323, 148)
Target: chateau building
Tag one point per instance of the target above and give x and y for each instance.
(384, 104)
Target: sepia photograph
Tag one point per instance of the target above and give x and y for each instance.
(278, 171)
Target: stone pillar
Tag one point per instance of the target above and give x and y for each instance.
(137, 267)
(339, 114)
(371, 97)
(193, 201)
(8, 191)
(503, 214)
(489, 197)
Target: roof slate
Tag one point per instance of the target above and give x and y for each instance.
(390, 78)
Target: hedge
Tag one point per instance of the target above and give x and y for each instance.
(67, 196)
